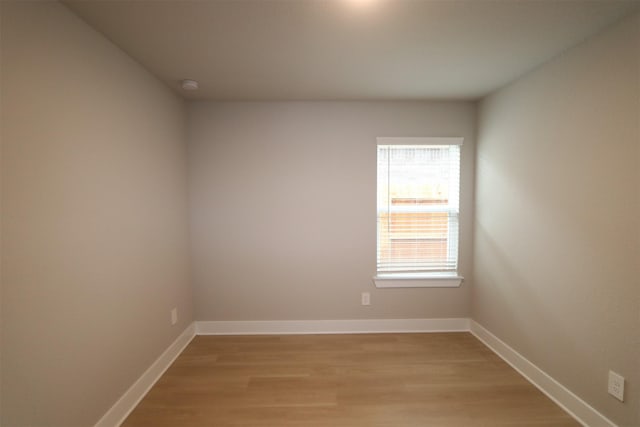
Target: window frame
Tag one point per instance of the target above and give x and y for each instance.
(420, 279)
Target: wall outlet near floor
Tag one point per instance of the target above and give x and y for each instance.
(174, 316)
(366, 298)
(616, 386)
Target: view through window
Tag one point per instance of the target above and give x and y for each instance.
(418, 208)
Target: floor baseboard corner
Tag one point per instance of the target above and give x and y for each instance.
(584, 413)
(128, 401)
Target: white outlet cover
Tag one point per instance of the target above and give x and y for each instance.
(616, 386)
(366, 298)
(174, 316)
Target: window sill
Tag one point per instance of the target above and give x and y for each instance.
(417, 280)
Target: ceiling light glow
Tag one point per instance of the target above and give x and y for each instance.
(361, 4)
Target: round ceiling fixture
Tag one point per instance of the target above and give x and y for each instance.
(189, 85)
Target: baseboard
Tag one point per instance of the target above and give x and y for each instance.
(123, 407)
(576, 407)
(354, 326)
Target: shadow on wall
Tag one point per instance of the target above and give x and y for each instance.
(506, 284)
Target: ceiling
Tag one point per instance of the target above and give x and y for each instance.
(346, 49)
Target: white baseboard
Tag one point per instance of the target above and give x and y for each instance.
(123, 407)
(354, 326)
(576, 407)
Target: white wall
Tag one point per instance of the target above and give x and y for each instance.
(557, 230)
(283, 208)
(94, 218)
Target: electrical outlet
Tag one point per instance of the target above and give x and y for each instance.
(366, 298)
(174, 316)
(616, 386)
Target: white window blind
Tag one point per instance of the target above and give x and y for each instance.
(418, 205)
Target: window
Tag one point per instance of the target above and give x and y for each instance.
(418, 212)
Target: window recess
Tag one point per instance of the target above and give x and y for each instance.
(418, 193)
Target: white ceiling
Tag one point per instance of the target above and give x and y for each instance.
(346, 49)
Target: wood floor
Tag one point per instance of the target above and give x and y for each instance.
(391, 380)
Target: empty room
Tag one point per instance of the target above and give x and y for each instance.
(383, 213)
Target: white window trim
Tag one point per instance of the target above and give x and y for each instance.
(420, 140)
(419, 279)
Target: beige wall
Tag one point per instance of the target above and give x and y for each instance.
(94, 223)
(94, 215)
(557, 240)
(283, 208)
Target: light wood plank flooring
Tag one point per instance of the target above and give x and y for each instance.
(391, 380)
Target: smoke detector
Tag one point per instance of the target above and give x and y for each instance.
(189, 85)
